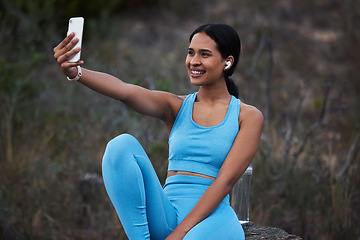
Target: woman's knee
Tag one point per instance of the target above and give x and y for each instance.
(121, 142)
(118, 149)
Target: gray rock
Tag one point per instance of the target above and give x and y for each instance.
(255, 232)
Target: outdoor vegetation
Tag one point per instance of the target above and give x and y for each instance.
(300, 66)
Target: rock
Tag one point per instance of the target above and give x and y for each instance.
(255, 232)
(90, 185)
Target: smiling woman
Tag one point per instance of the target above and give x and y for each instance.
(213, 137)
(205, 65)
(228, 44)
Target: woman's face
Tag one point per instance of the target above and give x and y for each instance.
(204, 62)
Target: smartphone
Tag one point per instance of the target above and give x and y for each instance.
(76, 25)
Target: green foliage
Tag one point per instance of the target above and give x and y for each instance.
(15, 80)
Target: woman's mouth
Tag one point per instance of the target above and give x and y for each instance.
(197, 73)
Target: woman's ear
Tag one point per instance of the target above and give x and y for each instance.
(229, 62)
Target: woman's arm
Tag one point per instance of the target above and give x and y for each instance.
(240, 156)
(157, 104)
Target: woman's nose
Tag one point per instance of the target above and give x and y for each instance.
(195, 60)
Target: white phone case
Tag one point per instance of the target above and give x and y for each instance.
(76, 25)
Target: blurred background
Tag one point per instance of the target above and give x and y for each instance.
(299, 66)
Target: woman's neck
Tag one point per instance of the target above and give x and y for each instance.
(213, 94)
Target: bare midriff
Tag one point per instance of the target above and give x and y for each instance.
(173, 173)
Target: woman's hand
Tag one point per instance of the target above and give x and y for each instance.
(175, 235)
(63, 51)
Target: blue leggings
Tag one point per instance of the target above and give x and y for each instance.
(149, 211)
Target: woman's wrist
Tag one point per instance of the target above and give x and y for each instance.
(78, 75)
(181, 230)
(176, 234)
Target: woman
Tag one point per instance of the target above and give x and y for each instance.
(213, 137)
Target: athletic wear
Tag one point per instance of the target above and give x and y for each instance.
(199, 149)
(148, 211)
(135, 191)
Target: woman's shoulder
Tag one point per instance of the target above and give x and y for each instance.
(249, 113)
(181, 98)
(176, 102)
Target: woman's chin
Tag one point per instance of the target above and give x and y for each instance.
(196, 81)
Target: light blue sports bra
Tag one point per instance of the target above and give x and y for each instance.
(200, 149)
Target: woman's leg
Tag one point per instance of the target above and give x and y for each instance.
(221, 224)
(184, 192)
(135, 191)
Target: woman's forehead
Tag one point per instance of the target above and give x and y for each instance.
(202, 41)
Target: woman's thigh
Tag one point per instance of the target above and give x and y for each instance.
(221, 224)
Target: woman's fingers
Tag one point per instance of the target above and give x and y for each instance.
(64, 42)
(63, 51)
(64, 56)
(65, 47)
(69, 68)
(66, 64)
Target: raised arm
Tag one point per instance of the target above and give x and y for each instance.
(240, 156)
(161, 105)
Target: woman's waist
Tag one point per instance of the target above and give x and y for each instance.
(187, 186)
(187, 180)
(173, 173)
(193, 167)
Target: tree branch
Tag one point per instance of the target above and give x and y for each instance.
(349, 155)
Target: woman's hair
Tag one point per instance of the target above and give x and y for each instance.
(228, 43)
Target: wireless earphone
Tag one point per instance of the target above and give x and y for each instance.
(228, 65)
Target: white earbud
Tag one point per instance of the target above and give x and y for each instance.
(228, 65)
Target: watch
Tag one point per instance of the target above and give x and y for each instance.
(78, 75)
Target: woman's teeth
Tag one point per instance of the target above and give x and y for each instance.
(196, 72)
